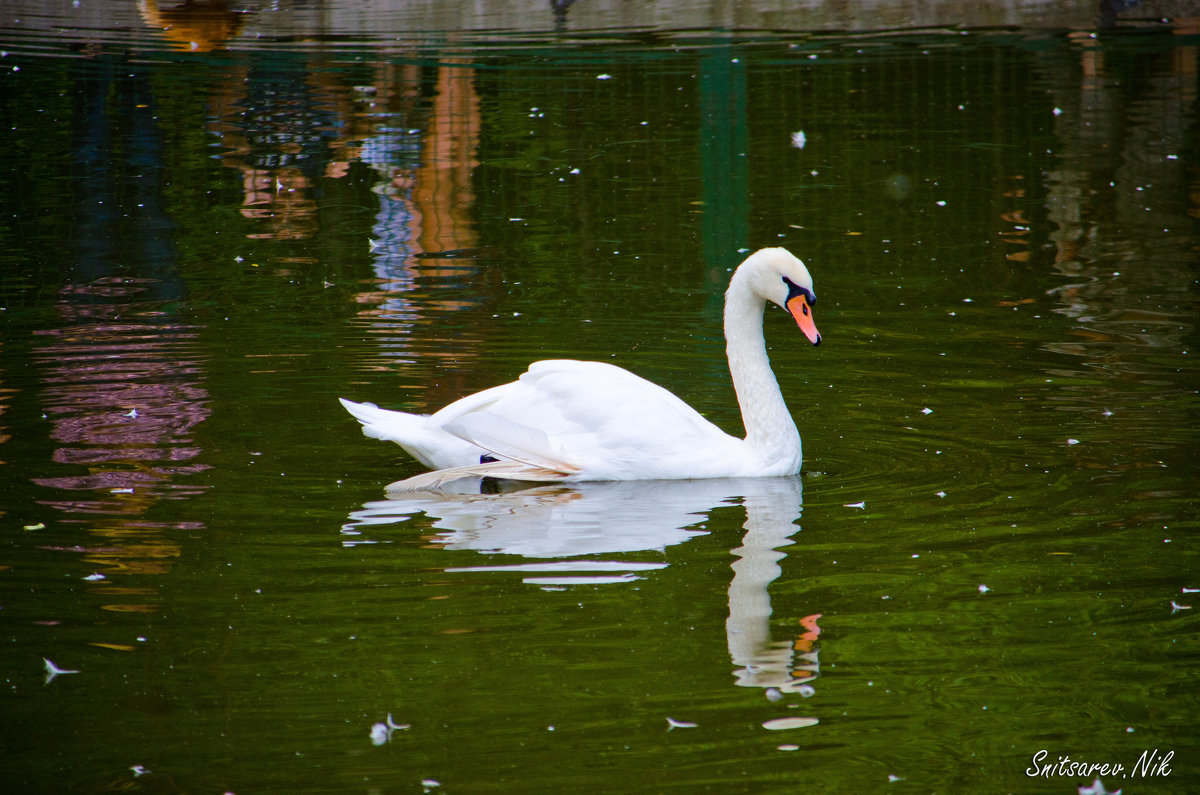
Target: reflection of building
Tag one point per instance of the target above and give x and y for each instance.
(123, 399)
(1121, 126)
(424, 234)
(277, 124)
(424, 185)
(121, 380)
(196, 25)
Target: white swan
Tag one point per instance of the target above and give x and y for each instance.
(566, 420)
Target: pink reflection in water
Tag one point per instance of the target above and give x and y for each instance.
(124, 398)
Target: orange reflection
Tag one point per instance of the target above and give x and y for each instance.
(196, 25)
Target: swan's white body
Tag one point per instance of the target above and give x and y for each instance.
(566, 420)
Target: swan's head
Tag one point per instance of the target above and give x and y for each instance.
(778, 276)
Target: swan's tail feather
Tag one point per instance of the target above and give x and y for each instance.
(511, 440)
(503, 470)
(390, 426)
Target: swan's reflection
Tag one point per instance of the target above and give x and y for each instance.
(560, 524)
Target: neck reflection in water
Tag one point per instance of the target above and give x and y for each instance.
(560, 528)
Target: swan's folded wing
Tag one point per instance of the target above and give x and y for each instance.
(505, 470)
(618, 426)
(511, 440)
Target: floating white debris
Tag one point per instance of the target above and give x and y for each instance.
(983, 588)
(893, 779)
(1176, 607)
(787, 747)
(679, 724)
(941, 203)
(372, 244)
(132, 413)
(940, 493)
(1072, 441)
(1057, 111)
(783, 724)
(382, 732)
(1189, 590)
(927, 410)
(94, 577)
(120, 491)
(53, 670)
(799, 139)
(862, 505)
(38, 526)
(139, 770)
(574, 171)
(773, 694)
(430, 783)
(1097, 788)
(604, 77)
(806, 691)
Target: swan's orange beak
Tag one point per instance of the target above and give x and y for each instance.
(801, 309)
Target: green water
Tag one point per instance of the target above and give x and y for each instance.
(991, 550)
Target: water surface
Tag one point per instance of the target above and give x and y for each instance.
(991, 550)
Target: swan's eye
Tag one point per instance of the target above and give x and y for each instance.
(795, 290)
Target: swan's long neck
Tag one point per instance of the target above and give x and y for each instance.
(770, 431)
